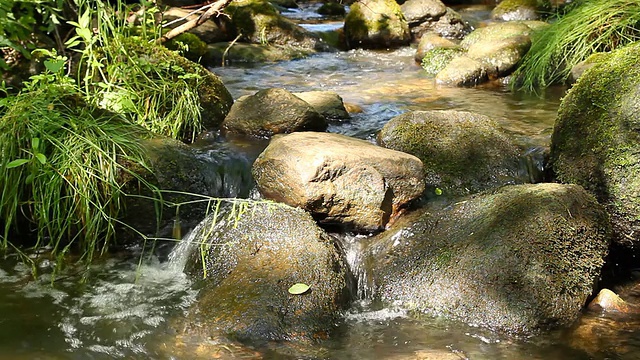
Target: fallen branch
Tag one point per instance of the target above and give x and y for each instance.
(215, 9)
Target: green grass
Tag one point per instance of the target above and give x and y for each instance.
(63, 168)
(589, 26)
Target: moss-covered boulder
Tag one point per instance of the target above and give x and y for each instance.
(214, 98)
(242, 53)
(431, 41)
(519, 260)
(272, 111)
(435, 60)
(376, 24)
(250, 266)
(462, 152)
(259, 22)
(595, 141)
(512, 10)
(342, 181)
(492, 52)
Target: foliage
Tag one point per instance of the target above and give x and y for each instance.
(20, 19)
(63, 168)
(589, 26)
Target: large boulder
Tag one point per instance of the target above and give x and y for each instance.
(341, 180)
(251, 260)
(376, 24)
(272, 111)
(462, 152)
(523, 259)
(595, 140)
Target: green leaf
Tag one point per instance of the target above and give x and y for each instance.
(299, 289)
(35, 143)
(29, 179)
(54, 65)
(41, 158)
(16, 163)
(438, 191)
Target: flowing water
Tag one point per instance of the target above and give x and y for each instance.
(125, 307)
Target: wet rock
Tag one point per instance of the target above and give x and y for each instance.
(431, 41)
(462, 152)
(332, 8)
(208, 31)
(250, 265)
(491, 52)
(520, 260)
(511, 10)
(272, 111)
(419, 11)
(436, 60)
(450, 26)
(608, 301)
(342, 181)
(585, 65)
(462, 71)
(595, 139)
(260, 23)
(376, 24)
(328, 103)
(186, 174)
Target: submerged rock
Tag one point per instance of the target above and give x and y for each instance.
(376, 24)
(341, 180)
(595, 139)
(272, 111)
(522, 259)
(251, 261)
(462, 152)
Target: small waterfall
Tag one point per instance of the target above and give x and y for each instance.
(354, 250)
(180, 254)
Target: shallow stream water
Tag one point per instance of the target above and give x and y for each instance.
(125, 308)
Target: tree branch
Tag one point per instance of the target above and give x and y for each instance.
(215, 9)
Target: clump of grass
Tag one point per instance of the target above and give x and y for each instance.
(62, 171)
(588, 27)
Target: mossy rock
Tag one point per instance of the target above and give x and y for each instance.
(496, 32)
(521, 260)
(462, 152)
(242, 53)
(188, 45)
(252, 262)
(260, 23)
(435, 60)
(511, 10)
(332, 8)
(376, 24)
(430, 41)
(595, 141)
(462, 71)
(215, 99)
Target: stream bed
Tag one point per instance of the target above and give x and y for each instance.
(124, 309)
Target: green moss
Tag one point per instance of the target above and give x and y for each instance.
(376, 24)
(189, 45)
(595, 142)
(436, 59)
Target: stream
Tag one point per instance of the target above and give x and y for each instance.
(124, 308)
